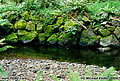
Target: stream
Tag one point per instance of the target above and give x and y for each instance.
(83, 55)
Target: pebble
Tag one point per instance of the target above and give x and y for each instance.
(28, 69)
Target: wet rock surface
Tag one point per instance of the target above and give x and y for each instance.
(27, 69)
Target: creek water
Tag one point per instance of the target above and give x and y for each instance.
(90, 56)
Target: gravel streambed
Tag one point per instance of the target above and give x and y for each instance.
(27, 69)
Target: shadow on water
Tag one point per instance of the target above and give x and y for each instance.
(79, 55)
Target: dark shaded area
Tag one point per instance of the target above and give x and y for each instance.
(72, 54)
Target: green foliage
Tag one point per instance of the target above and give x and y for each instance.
(5, 47)
(74, 76)
(37, 78)
(3, 74)
(102, 10)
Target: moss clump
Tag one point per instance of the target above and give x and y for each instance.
(30, 26)
(22, 32)
(29, 36)
(110, 28)
(48, 30)
(58, 22)
(12, 37)
(26, 15)
(61, 28)
(41, 38)
(68, 24)
(20, 24)
(88, 38)
(117, 32)
(63, 39)
(32, 17)
(104, 32)
(53, 39)
(39, 27)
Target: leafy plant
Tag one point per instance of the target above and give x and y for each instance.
(74, 76)
(37, 78)
(3, 74)
(4, 47)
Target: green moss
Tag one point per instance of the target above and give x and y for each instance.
(63, 38)
(26, 15)
(29, 36)
(58, 22)
(68, 24)
(42, 19)
(32, 17)
(117, 32)
(88, 38)
(30, 26)
(49, 30)
(39, 27)
(41, 38)
(52, 39)
(12, 37)
(104, 32)
(110, 28)
(22, 32)
(20, 24)
(61, 28)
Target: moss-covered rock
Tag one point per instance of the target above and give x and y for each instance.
(52, 39)
(30, 25)
(28, 37)
(63, 39)
(117, 32)
(68, 24)
(41, 38)
(12, 37)
(22, 32)
(39, 27)
(48, 30)
(109, 40)
(61, 28)
(21, 24)
(26, 15)
(88, 38)
(110, 28)
(58, 22)
(32, 17)
(104, 32)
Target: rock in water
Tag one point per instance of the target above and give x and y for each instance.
(110, 40)
(88, 38)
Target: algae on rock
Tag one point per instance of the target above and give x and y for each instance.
(58, 22)
(39, 27)
(12, 37)
(41, 38)
(22, 32)
(104, 32)
(28, 37)
(21, 24)
(109, 40)
(53, 39)
(30, 26)
(26, 15)
(63, 39)
(48, 30)
(110, 28)
(117, 32)
(68, 24)
(88, 38)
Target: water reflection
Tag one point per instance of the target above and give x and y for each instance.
(79, 55)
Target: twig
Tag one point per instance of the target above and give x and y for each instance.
(78, 22)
